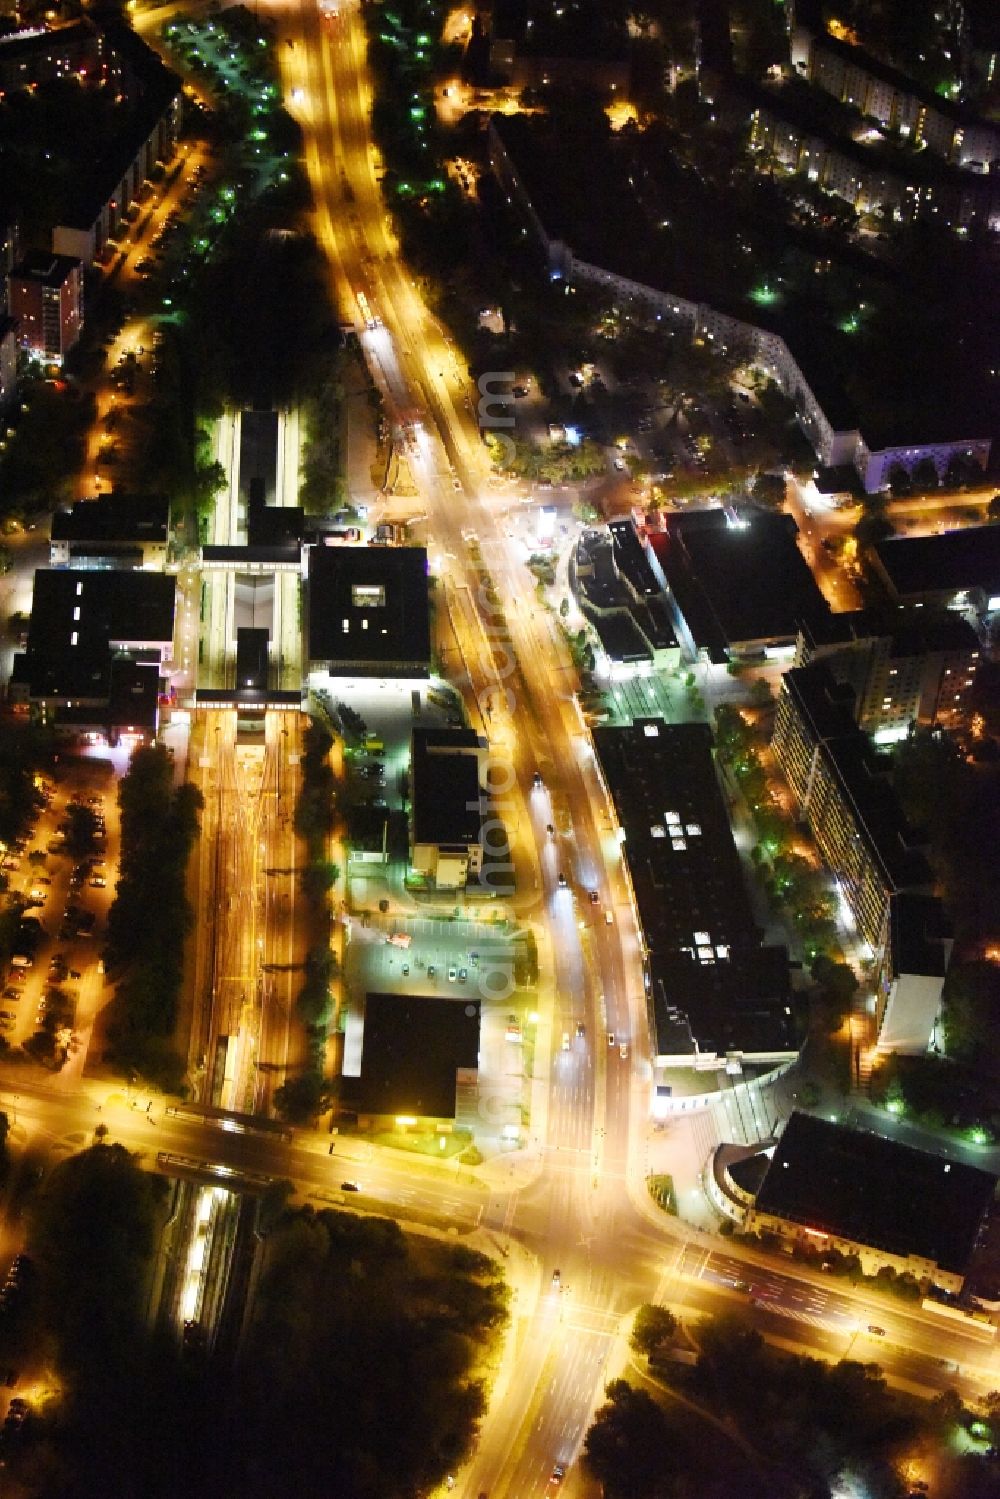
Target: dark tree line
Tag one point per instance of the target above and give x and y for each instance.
(150, 915)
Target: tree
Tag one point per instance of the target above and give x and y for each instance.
(299, 1098)
(91, 1234)
(971, 1013)
(653, 1326)
(627, 1448)
(768, 491)
(837, 984)
(81, 833)
(925, 475)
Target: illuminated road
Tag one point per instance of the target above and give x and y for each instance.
(576, 1215)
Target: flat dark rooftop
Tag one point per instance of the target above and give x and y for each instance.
(369, 607)
(113, 606)
(152, 87)
(114, 517)
(134, 694)
(445, 791)
(45, 267)
(863, 1187)
(28, 44)
(620, 637)
(738, 583)
(969, 558)
(412, 1048)
(259, 452)
(918, 933)
(693, 904)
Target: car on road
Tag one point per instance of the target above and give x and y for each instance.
(536, 779)
(565, 1041)
(611, 1038)
(11, 993)
(558, 1474)
(431, 970)
(463, 974)
(98, 882)
(556, 1279)
(876, 1332)
(593, 897)
(452, 974)
(623, 1050)
(581, 1029)
(350, 1187)
(562, 880)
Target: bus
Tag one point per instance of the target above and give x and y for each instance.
(367, 316)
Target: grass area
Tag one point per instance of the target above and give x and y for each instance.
(441, 1147)
(661, 1190)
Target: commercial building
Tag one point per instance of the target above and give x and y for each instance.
(904, 667)
(115, 530)
(46, 301)
(97, 645)
(448, 797)
(369, 611)
(833, 1188)
(416, 1052)
(621, 596)
(954, 570)
(739, 588)
(844, 793)
(714, 991)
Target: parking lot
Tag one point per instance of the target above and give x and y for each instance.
(463, 960)
(58, 988)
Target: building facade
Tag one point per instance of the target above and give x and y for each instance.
(844, 794)
(46, 302)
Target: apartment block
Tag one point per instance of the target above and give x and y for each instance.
(844, 793)
(46, 300)
(904, 667)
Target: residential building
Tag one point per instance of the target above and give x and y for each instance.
(368, 611)
(448, 798)
(46, 301)
(98, 643)
(833, 1188)
(10, 254)
(410, 1057)
(925, 120)
(108, 185)
(737, 585)
(38, 55)
(714, 992)
(8, 360)
(904, 667)
(909, 980)
(114, 530)
(800, 361)
(869, 177)
(844, 793)
(953, 570)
